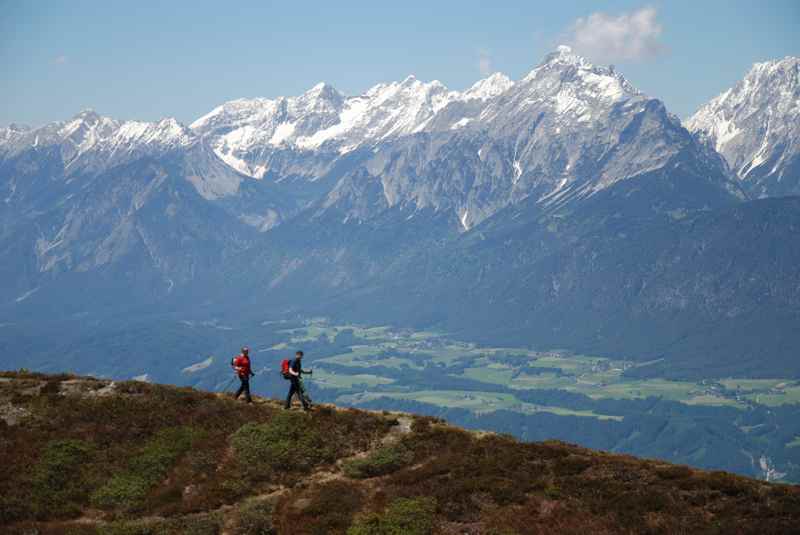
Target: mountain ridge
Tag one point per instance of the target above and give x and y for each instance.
(155, 212)
(173, 460)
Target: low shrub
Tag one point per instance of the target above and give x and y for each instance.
(728, 484)
(380, 462)
(61, 460)
(150, 466)
(422, 424)
(552, 492)
(284, 444)
(571, 465)
(191, 525)
(404, 516)
(122, 491)
(326, 508)
(673, 472)
(58, 487)
(254, 517)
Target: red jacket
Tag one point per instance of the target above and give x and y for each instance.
(241, 363)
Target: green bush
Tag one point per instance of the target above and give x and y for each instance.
(160, 454)
(60, 460)
(58, 487)
(254, 517)
(123, 491)
(193, 525)
(404, 516)
(287, 443)
(150, 466)
(380, 462)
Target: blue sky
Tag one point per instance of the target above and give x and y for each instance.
(146, 60)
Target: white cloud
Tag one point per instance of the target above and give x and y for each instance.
(607, 38)
(61, 60)
(484, 63)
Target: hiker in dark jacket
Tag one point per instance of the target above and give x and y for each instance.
(295, 370)
(241, 365)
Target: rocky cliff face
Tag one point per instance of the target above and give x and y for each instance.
(565, 132)
(755, 125)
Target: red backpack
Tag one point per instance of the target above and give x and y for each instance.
(285, 368)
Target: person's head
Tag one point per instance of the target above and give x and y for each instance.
(245, 350)
(298, 355)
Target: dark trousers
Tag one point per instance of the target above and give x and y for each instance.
(296, 389)
(244, 387)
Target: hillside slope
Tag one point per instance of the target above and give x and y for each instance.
(89, 456)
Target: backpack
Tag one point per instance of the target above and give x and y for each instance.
(285, 368)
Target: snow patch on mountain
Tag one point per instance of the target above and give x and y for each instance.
(198, 366)
(26, 295)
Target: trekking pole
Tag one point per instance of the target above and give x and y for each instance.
(228, 385)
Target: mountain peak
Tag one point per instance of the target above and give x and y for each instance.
(564, 55)
(87, 115)
(564, 50)
(17, 127)
(787, 62)
(755, 126)
(489, 87)
(568, 74)
(323, 90)
(409, 81)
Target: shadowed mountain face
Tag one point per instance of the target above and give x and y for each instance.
(714, 294)
(565, 209)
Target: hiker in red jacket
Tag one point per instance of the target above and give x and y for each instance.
(241, 365)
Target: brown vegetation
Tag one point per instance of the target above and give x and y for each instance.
(84, 456)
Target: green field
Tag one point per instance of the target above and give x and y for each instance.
(750, 384)
(479, 402)
(776, 396)
(334, 380)
(515, 368)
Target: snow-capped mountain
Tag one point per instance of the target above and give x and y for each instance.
(89, 144)
(9, 136)
(97, 195)
(564, 132)
(565, 201)
(755, 125)
(247, 133)
(88, 134)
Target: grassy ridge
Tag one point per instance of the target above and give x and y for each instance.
(84, 456)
